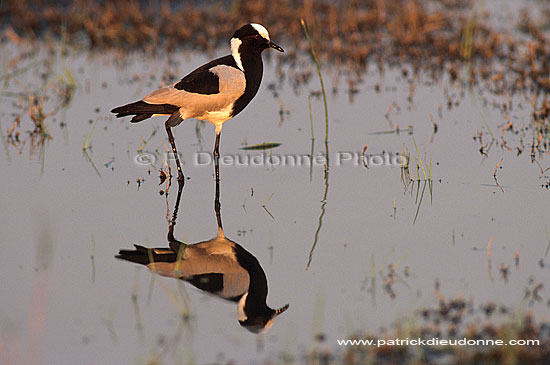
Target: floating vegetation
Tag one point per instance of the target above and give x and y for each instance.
(261, 146)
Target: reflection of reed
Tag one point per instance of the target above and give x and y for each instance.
(323, 210)
(324, 200)
(89, 159)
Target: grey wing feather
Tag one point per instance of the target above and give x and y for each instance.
(232, 80)
(232, 84)
(213, 256)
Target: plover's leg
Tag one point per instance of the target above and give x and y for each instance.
(173, 121)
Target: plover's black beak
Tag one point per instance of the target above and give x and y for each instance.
(282, 309)
(275, 46)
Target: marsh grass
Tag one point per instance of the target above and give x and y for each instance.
(318, 67)
(34, 105)
(373, 278)
(179, 258)
(268, 212)
(90, 161)
(37, 103)
(420, 182)
(178, 298)
(490, 259)
(267, 200)
(548, 245)
(317, 332)
(110, 325)
(144, 141)
(495, 175)
(437, 40)
(92, 258)
(5, 143)
(310, 117)
(427, 34)
(467, 38)
(137, 308)
(312, 137)
(86, 145)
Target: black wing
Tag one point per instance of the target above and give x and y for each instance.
(202, 81)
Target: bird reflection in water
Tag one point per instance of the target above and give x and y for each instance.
(219, 266)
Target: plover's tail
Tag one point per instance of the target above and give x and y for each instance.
(142, 110)
(145, 256)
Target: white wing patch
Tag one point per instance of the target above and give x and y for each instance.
(260, 29)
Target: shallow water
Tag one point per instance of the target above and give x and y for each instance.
(66, 299)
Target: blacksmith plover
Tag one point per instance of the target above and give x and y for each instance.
(219, 266)
(214, 92)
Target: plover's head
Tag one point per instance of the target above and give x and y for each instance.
(252, 37)
(257, 317)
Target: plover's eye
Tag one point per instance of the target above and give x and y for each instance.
(257, 36)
